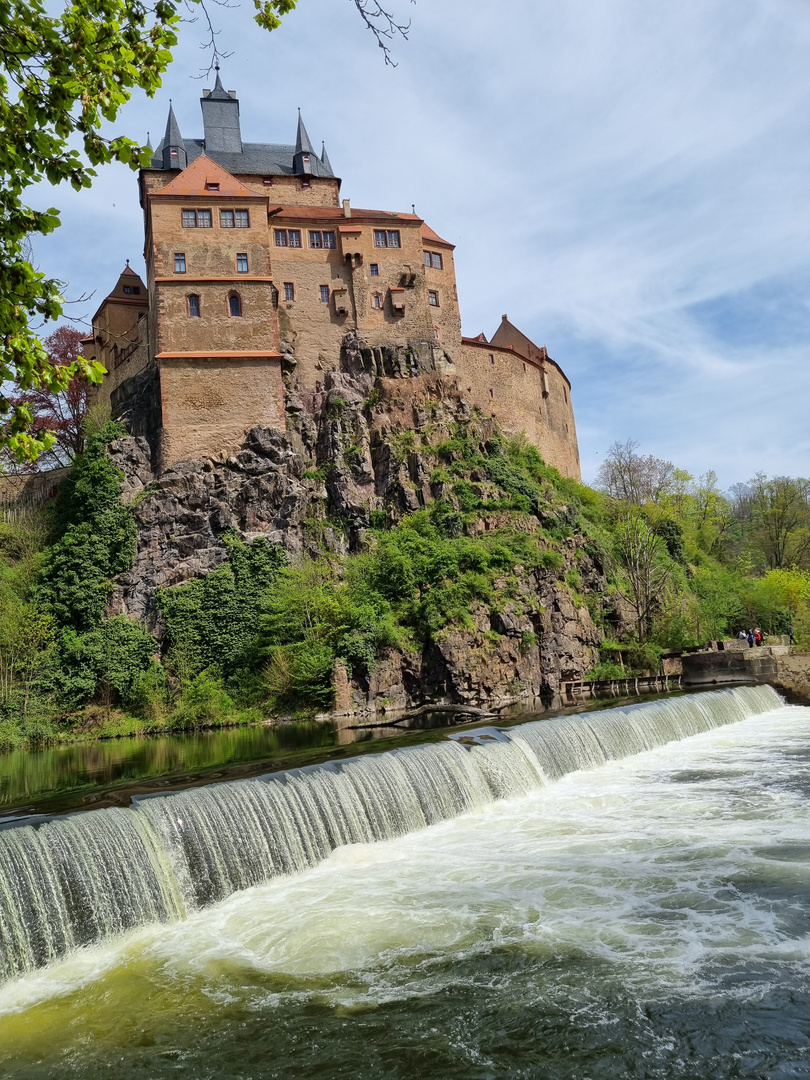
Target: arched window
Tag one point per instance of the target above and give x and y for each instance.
(234, 305)
(194, 306)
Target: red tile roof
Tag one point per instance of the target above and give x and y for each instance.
(431, 237)
(201, 172)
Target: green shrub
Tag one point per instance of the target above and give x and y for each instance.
(212, 621)
(298, 677)
(606, 670)
(95, 538)
(204, 702)
(108, 661)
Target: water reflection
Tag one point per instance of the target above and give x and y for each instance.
(76, 775)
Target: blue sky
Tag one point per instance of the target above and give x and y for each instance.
(628, 179)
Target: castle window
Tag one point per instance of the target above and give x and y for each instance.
(288, 238)
(267, 181)
(491, 358)
(492, 393)
(386, 238)
(319, 239)
(194, 306)
(136, 290)
(196, 219)
(127, 289)
(324, 294)
(179, 262)
(226, 219)
(434, 259)
(305, 183)
(242, 263)
(289, 290)
(426, 257)
(376, 301)
(374, 269)
(234, 305)
(433, 298)
(436, 332)
(524, 367)
(212, 187)
(242, 219)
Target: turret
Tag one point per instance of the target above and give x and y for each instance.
(304, 151)
(174, 149)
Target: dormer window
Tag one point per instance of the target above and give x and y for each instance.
(212, 187)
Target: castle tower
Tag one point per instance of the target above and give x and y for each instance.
(216, 336)
(222, 133)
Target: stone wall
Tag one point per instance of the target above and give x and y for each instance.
(523, 397)
(209, 403)
(31, 489)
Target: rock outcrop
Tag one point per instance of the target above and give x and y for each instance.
(360, 445)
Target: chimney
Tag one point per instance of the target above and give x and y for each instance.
(347, 208)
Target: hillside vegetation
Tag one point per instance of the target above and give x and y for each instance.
(258, 636)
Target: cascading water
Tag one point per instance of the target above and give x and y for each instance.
(73, 881)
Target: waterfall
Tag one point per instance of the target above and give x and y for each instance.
(72, 881)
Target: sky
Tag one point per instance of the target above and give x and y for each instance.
(628, 180)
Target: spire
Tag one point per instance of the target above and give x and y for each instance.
(221, 128)
(327, 164)
(219, 93)
(149, 141)
(302, 143)
(304, 151)
(174, 149)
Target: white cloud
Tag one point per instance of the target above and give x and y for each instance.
(626, 178)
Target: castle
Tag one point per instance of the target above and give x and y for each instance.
(256, 267)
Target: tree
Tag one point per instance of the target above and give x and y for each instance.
(635, 479)
(646, 568)
(62, 75)
(61, 413)
(775, 514)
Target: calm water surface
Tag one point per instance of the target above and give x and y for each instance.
(109, 772)
(650, 918)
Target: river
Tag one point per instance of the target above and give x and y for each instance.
(646, 917)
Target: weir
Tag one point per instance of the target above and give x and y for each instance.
(74, 881)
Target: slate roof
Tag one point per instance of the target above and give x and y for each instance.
(256, 159)
(261, 159)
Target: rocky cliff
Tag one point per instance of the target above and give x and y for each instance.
(385, 435)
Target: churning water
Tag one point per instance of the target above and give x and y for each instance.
(648, 917)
